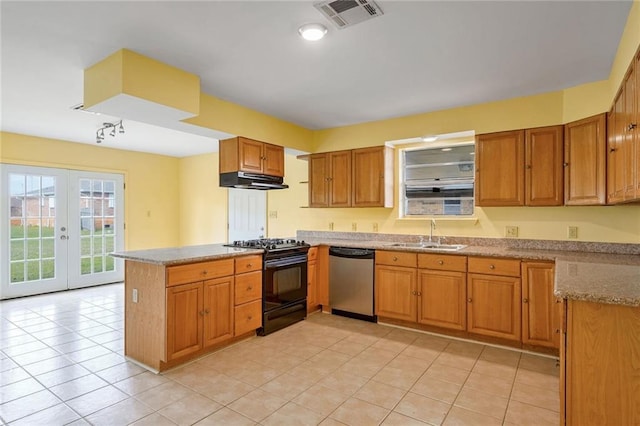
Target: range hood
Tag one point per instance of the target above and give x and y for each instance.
(243, 180)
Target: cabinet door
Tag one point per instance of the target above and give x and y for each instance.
(500, 169)
(615, 154)
(442, 299)
(636, 129)
(312, 301)
(584, 156)
(493, 306)
(370, 177)
(340, 179)
(322, 276)
(218, 310)
(273, 160)
(538, 305)
(395, 289)
(629, 134)
(543, 166)
(184, 320)
(250, 155)
(248, 317)
(319, 180)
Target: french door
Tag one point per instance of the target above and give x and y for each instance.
(57, 228)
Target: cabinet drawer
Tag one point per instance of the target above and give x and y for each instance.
(442, 262)
(248, 287)
(313, 254)
(200, 271)
(396, 258)
(248, 317)
(494, 266)
(248, 264)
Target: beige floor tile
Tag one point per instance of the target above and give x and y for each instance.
(493, 369)
(464, 348)
(460, 417)
(257, 405)
(24, 350)
(331, 422)
(288, 386)
(120, 372)
(343, 382)
(436, 389)
(140, 383)
(13, 375)
(422, 408)
(57, 415)
(190, 409)
(19, 389)
(426, 354)
(88, 353)
(226, 417)
(540, 364)
(223, 389)
(500, 356)
(103, 362)
(409, 363)
(521, 414)
(400, 378)
(351, 348)
(77, 387)
(537, 379)
(461, 361)
(447, 374)
(359, 413)
(364, 366)
(483, 403)
(320, 399)
(535, 396)
(62, 375)
(391, 345)
(163, 395)
(397, 419)
(27, 405)
(122, 413)
(380, 394)
(153, 419)
(293, 414)
(489, 384)
(97, 400)
(257, 375)
(45, 366)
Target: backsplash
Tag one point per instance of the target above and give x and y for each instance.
(514, 243)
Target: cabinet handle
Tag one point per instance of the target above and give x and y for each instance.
(204, 272)
(558, 301)
(525, 300)
(612, 150)
(440, 262)
(249, 288)
(395, 259)
(201, 313)
(250, 317)
(207, 311)
(492, 267)
(419, 293)
(528, 166)
(249, 265)
(565, 164)
(415, 293)
(469, 300)
(632, 126)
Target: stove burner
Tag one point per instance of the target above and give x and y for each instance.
(269, 243)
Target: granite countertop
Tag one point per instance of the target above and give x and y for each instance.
(580, 275)
(187, 254)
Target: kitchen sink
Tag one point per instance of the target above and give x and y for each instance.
(431, 246)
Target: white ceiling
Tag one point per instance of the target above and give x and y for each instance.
(420, 56)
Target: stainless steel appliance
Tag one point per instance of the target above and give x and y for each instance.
(284, 281)
(243, 180)
(351, 282)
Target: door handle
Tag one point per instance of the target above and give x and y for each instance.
(64, 237)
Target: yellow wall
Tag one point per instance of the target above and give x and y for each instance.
(151, 208)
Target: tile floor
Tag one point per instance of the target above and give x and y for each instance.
(61, 362)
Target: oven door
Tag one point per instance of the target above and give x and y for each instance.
(284, 281)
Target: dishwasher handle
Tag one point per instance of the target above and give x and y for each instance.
(351, 253)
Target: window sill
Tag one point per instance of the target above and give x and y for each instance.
(473, 219)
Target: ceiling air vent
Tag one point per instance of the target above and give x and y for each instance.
(345, 13)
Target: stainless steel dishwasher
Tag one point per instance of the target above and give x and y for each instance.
(351, 282)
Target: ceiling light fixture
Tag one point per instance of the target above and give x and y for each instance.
(312, 32)
(429, 138)
(112, 133)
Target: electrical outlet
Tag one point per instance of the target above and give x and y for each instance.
(330, 226)
(572, 232)
(273, 214)
(134, 296)
(511, 231)
(354, 226)
(375, 227)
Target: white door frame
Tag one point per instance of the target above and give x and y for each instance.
(247, 213)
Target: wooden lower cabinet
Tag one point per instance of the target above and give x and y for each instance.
(541, 310)
(218, 315)
(322, 277)
(248, 317)
(601, 361)
(441, 296)
(395, 292)
(493, 306)
(184, 320)
(312, 299)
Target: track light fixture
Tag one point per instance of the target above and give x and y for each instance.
(109, 126)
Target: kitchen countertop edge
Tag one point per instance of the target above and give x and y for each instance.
(186, 254)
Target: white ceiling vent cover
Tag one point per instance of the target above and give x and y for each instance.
(345, 13)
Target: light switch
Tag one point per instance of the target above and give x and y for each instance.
(134, 296)
(511, 231)
(572, 232)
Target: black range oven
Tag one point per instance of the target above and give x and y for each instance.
(284, 282)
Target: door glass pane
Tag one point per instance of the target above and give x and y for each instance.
(97, 223)
(32, 222)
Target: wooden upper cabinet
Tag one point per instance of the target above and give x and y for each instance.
(372, 177)
(330, 179)
(500, 169)
(543, 166)
(251, 156)
(584, 156)
(636, 122)
(630, 134)
(615, 154)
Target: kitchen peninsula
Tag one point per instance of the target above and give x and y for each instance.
(183, 302)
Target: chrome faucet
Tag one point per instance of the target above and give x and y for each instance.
(433, 226)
